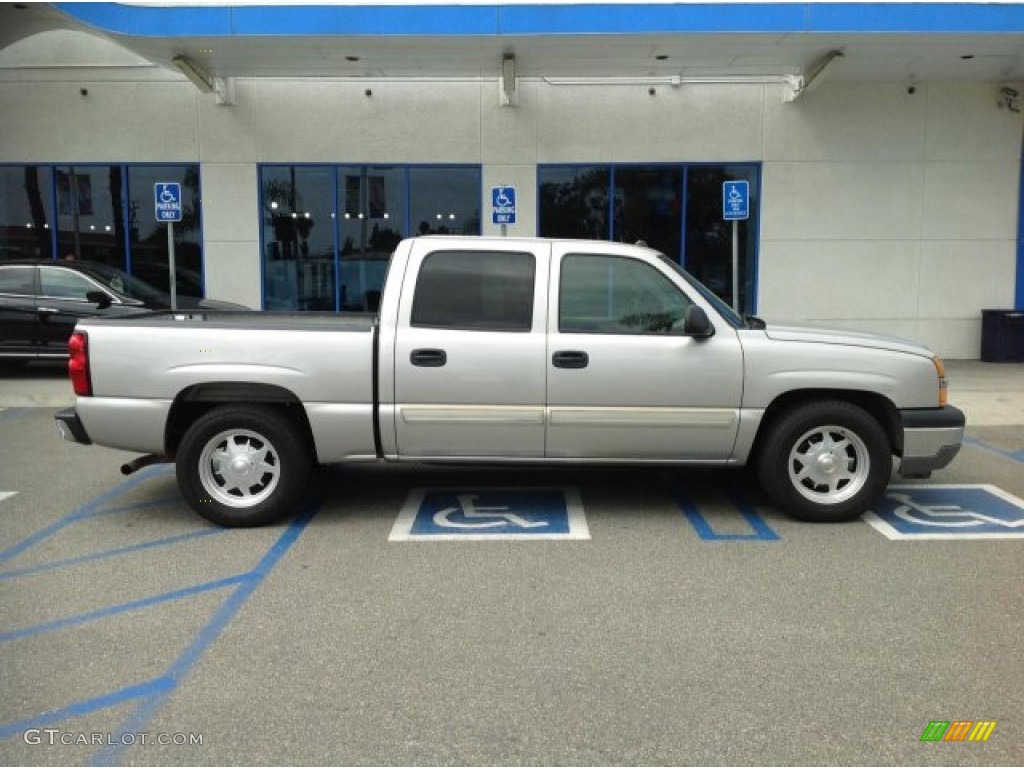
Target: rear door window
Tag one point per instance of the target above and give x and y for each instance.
(16, 280)
(475, 291)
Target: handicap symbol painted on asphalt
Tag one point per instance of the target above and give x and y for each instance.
(450, 514)
(948, 512)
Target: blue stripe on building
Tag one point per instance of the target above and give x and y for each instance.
(553, 19)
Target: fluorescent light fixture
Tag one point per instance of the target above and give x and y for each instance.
(676, 81)
(199, 77)
(508, 74)
(508, 80)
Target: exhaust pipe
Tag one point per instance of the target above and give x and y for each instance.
(143, 461)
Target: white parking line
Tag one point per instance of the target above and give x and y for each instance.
(7, 494)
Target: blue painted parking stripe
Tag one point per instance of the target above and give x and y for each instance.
(761, 530)
(134, 605)
(86, 707)
(1012, 455)
(58, 564)
(179, 670)
(754, 520)
(94, 507)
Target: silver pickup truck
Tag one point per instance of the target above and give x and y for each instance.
(494, 350)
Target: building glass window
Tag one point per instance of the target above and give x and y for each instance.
(90, 213)
(373, 205)
(709, 238)
(445, 201)
(574, 201)
(341, 265)
(649, 207)
(26, 212)
(102, 213)
(674, 208)
(298, 237)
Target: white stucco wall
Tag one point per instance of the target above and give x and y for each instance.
(881, 209)
(891, 211)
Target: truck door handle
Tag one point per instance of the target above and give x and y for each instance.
(428, 358)
(570, 359)
(47, 310)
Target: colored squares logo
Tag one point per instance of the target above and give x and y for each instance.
(958, 730)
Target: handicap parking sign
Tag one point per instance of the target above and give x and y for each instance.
(503, 205)
(948, 512)
(735, 200)
(167, 200)
(475, 514)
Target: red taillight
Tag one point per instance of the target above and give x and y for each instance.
(78, 365)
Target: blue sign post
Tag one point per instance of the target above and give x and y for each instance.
(735, 208)
(167, 203)
(503, 207)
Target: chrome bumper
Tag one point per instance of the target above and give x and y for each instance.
(931, 439)
(70, 427)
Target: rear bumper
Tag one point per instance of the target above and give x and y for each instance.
(931, 439)
(70, 427)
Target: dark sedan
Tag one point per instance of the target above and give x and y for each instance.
(40, 302)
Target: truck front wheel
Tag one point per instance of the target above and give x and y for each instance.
(243, 465)
(825, 461)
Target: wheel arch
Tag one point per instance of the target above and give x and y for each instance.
(194, 401)
(881, 408)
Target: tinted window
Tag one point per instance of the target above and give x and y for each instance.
(475, 291)
(574, 201)
(91, 213)
(16, 281)
(610, 294)
(64, 284)
(26, 212)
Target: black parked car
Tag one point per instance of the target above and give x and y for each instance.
(40, 302)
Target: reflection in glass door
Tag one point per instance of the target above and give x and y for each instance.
(709, 238)
(674, 208)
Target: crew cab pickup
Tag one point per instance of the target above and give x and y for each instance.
(501, 350)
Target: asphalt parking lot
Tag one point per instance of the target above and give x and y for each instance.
(679, 620)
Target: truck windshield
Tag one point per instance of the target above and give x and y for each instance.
(723, 309)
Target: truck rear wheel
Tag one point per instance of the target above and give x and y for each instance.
(825, 461)
(243, 465)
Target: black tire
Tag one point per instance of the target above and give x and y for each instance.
(269, 476)
(826, 461)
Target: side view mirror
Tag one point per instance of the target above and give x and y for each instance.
(99, 298)
(696, 323)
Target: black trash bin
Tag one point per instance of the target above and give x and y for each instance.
(1002, 336)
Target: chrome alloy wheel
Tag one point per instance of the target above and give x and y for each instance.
(239, 468)
(829, 464)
